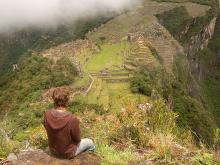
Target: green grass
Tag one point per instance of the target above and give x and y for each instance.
(109, 56)
(112, 156)
(205, 158)
(81, 82)
(112, 96)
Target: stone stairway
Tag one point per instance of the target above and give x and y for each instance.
(112, 76)
(140, 54)
(164, 43)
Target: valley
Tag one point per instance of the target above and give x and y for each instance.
(132, 39)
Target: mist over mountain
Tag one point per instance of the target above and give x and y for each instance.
(15, 15)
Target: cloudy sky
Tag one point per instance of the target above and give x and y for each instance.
(17, 14)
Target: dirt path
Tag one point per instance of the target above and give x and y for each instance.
(84, 92)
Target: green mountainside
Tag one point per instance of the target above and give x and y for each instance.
(145, 83)
(24, 42)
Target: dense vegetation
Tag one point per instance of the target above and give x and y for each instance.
(175, 19)
(15, 45)
(210, 59)
(178, 95)
(25, 87)
(143, 82)
(183, 26)
(37, 73)
(200, 102)
(212, 3)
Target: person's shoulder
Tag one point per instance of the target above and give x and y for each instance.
(48, 111)
(74, 118)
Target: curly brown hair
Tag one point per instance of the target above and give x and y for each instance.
(60, 97)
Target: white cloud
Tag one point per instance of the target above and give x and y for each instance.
(16, 14)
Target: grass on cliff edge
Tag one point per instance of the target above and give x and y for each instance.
(118, 136)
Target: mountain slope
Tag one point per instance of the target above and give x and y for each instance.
(134, 92)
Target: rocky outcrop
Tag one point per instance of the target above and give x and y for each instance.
(197, 43)
(39, 157)
(201, 40)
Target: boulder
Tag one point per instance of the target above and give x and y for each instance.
(39, 157)
(12, 157)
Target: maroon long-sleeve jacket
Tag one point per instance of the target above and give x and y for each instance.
(63, 132)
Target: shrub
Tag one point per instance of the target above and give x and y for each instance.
(63, 73)
(190, 113)
(38, 137)
(216, 144)
(144, 81)
(166, 148)
(36, 73)
(110, 155)
(136, 124)
(7, 147)
(204, 158)
(175, 20)
(79, 106)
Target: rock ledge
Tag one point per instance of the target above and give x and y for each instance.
(39, 157)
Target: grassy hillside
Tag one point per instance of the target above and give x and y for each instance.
(202, 2)
(21, 90)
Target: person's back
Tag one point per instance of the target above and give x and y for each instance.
(63, 132)
(63, 129)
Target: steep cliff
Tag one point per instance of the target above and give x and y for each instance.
(199, 37)
(197, 43)
(201, 40)
(195, 34)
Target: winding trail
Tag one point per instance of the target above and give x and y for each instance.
(84, 92)
(90, 86)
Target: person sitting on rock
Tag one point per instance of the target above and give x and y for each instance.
(63, 129)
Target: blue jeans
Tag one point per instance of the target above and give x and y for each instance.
(85, 145)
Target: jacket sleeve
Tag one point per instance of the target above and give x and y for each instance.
(43, 120)
(75, 130)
